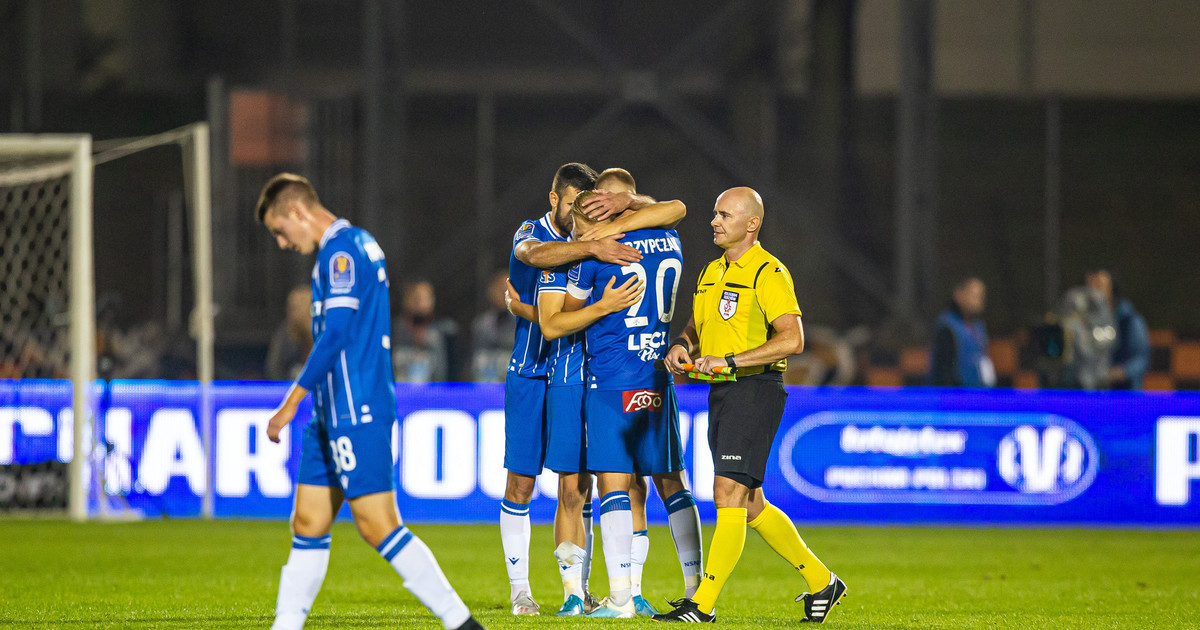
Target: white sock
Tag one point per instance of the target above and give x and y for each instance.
(589, 537)
(514, 537)
(570, 568)
(684, 519)
(300, 580)
(409, 556)
(616, 534)
(640, 549)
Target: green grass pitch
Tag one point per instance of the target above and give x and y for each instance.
(223, 574)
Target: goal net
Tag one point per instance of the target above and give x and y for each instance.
(46, 290)
(107, 294)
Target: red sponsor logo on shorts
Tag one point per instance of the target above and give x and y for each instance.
(642, 399)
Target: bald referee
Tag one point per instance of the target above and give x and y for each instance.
(745, 316)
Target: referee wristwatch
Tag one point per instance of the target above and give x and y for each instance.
(729, 360)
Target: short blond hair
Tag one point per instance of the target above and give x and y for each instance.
(577, 206)
(618, 174)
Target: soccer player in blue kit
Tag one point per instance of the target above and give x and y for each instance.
(632, 416)
(616, 196)
(538, 245)
(565, 396)
(346, 454)
(565, 453)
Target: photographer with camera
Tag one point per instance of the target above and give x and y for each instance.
(1129, 356)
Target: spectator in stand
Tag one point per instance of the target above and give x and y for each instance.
(421, 345)
(958, 356)
(492, 334)
(1089, 333)
(293, 338)
(1130, 355)
(21, 356)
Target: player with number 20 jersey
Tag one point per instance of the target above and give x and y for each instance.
(633, 419)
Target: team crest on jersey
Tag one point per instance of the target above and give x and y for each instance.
(341, 272)
(547, 277)
(524, 232)
(641, 400)
(728, 305)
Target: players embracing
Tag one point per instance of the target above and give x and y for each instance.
(555, 436)
(538, 245)
(632, 416)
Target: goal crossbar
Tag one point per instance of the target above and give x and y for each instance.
(72, 154)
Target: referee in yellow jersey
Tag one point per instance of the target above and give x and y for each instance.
(745, 316)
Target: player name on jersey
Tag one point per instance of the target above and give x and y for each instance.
(656, 245)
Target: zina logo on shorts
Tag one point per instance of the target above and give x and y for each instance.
(642, 399)
(1045, 461)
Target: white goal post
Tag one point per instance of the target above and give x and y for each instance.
(46, 164)
(69, 156)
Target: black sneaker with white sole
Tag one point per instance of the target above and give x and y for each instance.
(471, 624)
(818, 605)
(687, 612)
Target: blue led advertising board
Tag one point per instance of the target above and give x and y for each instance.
(857, 455)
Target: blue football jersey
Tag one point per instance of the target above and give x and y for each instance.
(566, 353)
(350, 273)
(623, 346)
(531, 351)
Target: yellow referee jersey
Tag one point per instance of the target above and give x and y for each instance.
(735, 303)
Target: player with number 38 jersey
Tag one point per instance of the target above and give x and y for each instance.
(347, 449)
(352, 384)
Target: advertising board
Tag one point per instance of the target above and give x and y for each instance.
(856, 455)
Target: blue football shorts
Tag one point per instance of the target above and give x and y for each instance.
(356, 459)
(633, 431)
(525, 430)
(565, 451)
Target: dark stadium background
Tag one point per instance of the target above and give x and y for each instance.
(437, 125)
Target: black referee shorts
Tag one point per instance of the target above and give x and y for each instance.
(743, 416)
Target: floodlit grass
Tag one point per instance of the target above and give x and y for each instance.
(224, 574)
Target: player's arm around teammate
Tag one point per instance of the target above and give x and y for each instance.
(568, 323)
(617, 189)
(745, 316)
(616, 194)
(665, 214)
(512, 301)
(557, 323)
(607, 204)
(547, 255)
(538, 246)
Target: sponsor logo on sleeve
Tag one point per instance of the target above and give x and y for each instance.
(641, 400)
(341, 272)
(728, 305)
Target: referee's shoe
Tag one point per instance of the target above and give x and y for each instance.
(817, 605)
(687, 612)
